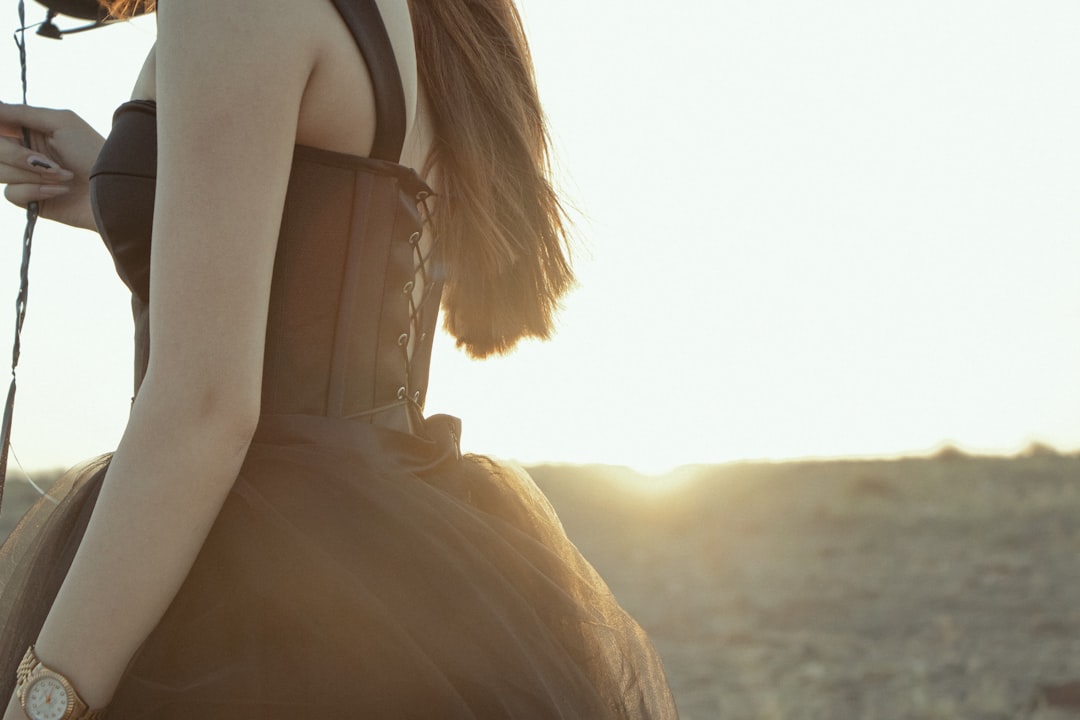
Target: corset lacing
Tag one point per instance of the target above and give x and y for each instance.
(415, 330)
(415, 335)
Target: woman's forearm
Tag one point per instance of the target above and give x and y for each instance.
(164, 489)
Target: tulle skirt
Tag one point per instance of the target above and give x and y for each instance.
(360, 572)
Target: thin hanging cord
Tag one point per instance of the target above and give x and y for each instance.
(40, 490)
(24, 271)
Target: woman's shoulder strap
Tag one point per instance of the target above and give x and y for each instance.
(366, 24)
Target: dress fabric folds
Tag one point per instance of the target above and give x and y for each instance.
(360, 567)
(364, 572)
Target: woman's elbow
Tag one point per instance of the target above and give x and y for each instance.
(219, 413)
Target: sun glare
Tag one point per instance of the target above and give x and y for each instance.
(656, 485)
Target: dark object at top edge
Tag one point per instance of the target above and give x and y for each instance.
(84, 9)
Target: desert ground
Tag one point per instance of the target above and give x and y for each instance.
(937, 588)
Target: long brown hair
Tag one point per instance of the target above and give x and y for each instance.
(500, 225)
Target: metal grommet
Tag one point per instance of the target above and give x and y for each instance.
(403, 339)
(416, 397)
(423, 195)
(408, 288)
(414, 238)
(402, 393)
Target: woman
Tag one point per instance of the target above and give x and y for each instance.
(281, 533)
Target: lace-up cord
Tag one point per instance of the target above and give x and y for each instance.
(417, 309)
(406, 396)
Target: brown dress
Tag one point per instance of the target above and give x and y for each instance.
(360, 567)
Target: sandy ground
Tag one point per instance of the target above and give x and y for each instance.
(923, 588)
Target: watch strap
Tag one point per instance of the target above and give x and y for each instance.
(25, 666)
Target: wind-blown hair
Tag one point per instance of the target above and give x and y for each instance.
(501, 229)
(127, 8)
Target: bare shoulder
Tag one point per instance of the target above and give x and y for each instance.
(228, 40)
(240, 37)
(242, 28)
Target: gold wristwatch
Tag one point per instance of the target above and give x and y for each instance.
(47, 695)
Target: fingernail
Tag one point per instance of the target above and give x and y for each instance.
(39, 163)
(42, 165)
(53, 190)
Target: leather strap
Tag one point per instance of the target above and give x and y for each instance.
(366, 24)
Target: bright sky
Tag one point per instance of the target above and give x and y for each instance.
(806, 229)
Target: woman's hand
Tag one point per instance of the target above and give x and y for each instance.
(55, 170)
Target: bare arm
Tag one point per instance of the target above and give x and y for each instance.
(230, 78)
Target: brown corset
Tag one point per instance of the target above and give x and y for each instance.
(353, 301)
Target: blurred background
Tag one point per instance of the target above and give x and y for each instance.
(830, 230)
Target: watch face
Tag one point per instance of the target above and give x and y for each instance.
(46, 699)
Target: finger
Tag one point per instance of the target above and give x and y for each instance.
(24, 194)
(19, 116)
(17, 163)
(10, 131)
(17, 176)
